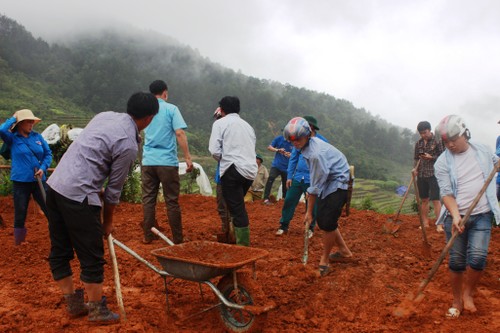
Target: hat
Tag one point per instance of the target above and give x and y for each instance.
(312, 121)
(24, 114)
(451, 127)
(259, 156)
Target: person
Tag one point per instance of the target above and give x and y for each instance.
(232, 143)
(160, 164)
(31, 157)
(224, 215)
(427, 150)
(329, 176)
(461, 172)
(298, 180)
(103, 153)
(279, 166)
(498, 175)
(257, 189)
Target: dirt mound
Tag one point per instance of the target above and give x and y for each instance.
(358, 296)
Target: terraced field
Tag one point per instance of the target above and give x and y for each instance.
(383, 198)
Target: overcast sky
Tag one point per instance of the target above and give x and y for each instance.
(405, 61)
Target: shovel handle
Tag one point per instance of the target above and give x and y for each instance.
(412, 179)
(42, 189)
(116, 275)
(419, 209)
(448, 245)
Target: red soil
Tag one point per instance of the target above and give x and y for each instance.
(354, 297)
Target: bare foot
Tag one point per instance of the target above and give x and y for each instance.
(469, 304)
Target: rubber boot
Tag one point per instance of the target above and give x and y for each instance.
(100, 314)
(242, 236)
(75, 305)
(19, 235)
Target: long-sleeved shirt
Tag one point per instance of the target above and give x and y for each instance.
(328, 167)
(297, 166)
(498, 154)
(232, 141)
(27, 153)
(259, 183)
(105, 150)
(446, 175)
(431, 147)
(280, 161)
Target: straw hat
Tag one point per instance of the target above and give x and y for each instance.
(24, 114)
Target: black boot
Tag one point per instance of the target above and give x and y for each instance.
(75, 304)
(100, 314)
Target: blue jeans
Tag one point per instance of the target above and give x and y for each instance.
(22, 192)
(471, 246)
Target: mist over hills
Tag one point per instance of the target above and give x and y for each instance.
(69, 81)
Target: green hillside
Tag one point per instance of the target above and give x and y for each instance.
(70, 81)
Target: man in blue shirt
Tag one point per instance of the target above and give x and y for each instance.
(103, 153)
(160, 164)
(279, 167)
(298, 180)
(498, 175)
(329, 172)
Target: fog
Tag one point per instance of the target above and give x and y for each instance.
(404, 61)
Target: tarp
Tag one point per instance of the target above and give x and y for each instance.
(401, 190)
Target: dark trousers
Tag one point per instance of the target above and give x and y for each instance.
(168, 177)
(234, 188)
(273, 174)
(22, 192)
(75, 225)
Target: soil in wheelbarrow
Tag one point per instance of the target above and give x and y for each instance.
(357, 296)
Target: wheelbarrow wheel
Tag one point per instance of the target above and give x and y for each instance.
(239, 320)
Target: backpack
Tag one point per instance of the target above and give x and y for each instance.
(5, 151)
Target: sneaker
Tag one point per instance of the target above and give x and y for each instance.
(310, 233)
(267, 202)
(280, 232)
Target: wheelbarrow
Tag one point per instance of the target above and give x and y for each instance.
(201, 261)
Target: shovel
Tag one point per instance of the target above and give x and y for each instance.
(408, 305)
(42, 189)
(419, 208)
(392, 226)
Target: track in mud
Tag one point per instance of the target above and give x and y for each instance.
(355, 297)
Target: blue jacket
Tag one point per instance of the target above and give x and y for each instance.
(280, 161)
(297, 166)
(27, 154)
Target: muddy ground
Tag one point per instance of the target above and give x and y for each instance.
(354, 297)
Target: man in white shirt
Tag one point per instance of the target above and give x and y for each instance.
(232, 143)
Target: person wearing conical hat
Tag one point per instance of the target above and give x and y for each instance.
(31, 157)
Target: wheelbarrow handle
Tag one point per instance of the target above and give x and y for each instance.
(162, 236)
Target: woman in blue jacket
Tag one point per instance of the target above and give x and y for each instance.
(31, 157)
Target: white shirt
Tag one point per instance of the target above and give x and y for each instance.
(232, 141)
(469, 182)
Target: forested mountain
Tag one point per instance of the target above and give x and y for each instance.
(90, 74)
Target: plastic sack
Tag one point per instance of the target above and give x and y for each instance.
(52, 134)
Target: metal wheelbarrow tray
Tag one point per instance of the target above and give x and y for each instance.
(203, 260)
